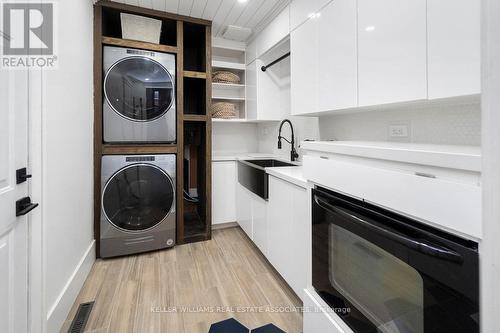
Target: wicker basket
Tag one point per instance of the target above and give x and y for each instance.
(224, 110)
(225, 77)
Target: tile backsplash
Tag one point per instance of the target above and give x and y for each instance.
(458, 124)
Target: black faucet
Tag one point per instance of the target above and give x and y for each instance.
(293, 152)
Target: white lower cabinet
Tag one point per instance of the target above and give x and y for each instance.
(252, 216)
(287, 232)
(316, 321)
(279, 227)
(259, 219)
(244, 209)
(224, 180)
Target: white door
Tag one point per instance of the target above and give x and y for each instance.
(13, 230)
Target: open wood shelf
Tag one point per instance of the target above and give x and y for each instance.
(195, 75)
(180, 34)
(116, 149)
(195, 117)
(138, 45)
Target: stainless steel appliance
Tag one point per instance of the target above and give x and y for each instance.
(385, 273)
(139, 96)
(137, 204)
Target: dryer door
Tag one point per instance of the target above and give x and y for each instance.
(139, 89)
(138, 197)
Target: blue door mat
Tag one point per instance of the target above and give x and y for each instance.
(233, 326)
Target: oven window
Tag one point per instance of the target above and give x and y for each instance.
(138, 197)
(139, 89)
(383, 273)
(387, 291)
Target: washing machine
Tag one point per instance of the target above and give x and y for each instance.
(137, 204)
(139, 103)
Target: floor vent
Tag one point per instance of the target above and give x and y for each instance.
(81, 318)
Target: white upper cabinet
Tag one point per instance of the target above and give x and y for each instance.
(301, 10)
(391, 51)
(453, 36)
(275, 32)
(251, 52)
(337, 56)
(304, 68)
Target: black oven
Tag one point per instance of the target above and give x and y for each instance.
(385, 273)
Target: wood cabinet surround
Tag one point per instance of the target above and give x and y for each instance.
(171, 44)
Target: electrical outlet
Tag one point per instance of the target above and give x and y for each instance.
(398, 131)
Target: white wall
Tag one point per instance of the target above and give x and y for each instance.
(304, 128)
(67, 162)
(439, 124)
(234, 138)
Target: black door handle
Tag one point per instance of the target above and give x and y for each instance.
(21, 175)
(24, 206)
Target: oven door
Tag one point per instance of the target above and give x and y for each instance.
(382, 272)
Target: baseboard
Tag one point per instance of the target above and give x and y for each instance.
(61, 307)
(224, 225)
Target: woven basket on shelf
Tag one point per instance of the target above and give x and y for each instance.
(224, 110)
(225, 77)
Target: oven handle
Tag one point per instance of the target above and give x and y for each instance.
(427, 248)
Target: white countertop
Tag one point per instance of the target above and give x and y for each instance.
(445, 156)
(293, 175)
(219, 157)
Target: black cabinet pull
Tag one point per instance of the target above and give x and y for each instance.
(24, 206)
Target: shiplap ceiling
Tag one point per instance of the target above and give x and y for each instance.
(253, 14)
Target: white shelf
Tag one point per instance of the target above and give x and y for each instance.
(228, 98)
(241, 120)
(228, 86)
(228, 65)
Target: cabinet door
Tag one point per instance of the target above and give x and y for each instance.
(304, 68)
(299, 267)
(287, 225)
(391, 51)
(224, 191)
(453, 33)
(279, 228)
(276, 31)
(244, 210)
(301, 10)
(337, 56)
(259, 220)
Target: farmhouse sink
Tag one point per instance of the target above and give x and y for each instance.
(252, 175)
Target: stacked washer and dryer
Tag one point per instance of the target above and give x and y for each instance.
(138, 191)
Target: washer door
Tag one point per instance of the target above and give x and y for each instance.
(139, 89)
(138, 197)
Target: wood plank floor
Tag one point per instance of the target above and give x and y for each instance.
(140, 293)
